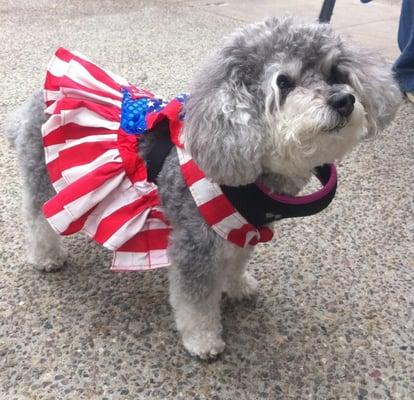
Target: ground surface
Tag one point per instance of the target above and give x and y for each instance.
(334, 316)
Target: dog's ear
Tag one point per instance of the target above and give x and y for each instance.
(221, 129)
(371, 77)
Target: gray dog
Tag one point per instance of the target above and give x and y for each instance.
(279, 99)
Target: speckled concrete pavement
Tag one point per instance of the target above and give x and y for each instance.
(334, 317)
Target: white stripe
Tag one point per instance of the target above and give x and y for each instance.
(127, 231)
(90, 139)
(81, 55)
(118, 79)
(121, 197)
(52, 152)
(82, 94)
(60, 221)
(249, 236)
(74, 173)
(51, 124)
(59, 184)
(79, 74)
(233, 221)
(203, 191)
(57, 67)
(137, 261)
(78, 116)
(51, 95)
(155, 223)
(84, 203)
(144, 187)
(183, 156)
(51, 109)
(85, 117)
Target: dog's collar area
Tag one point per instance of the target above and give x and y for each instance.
(326, 175)
(260, 206)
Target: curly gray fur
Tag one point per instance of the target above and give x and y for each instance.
(240, 125)
(226, 110)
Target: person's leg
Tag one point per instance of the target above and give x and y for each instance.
(404, 66)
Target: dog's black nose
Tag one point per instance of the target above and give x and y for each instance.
(343, 103)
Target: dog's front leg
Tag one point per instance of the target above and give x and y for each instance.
(196, 284)
(197, 318)
(238, 283)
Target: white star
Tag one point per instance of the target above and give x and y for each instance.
(150, 104)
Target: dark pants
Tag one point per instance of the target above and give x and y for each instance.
(404, 66)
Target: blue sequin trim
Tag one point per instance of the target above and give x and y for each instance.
(182, 98)
(134, 111)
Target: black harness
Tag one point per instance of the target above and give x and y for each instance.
(250, 201)
(261, 209)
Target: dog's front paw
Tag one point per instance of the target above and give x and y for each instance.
(244, 287)
(204, 345)
(49, 264)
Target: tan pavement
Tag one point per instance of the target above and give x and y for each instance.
(373, 24)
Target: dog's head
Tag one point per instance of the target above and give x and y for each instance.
(284, 96)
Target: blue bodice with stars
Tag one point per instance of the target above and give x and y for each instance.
(134, 111)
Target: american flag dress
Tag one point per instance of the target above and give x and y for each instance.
(91, 141)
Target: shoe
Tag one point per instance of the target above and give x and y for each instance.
(410, 96)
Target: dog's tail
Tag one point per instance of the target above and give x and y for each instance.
(10, 127)
(28, 116)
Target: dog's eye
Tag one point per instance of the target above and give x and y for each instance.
(336, 76)
(284, 83)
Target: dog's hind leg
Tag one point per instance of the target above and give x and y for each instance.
(195, 292)
(43, 246)
(24, 130)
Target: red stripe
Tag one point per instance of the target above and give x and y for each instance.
(98, 73)
(238, 236)
(110, 224)
(176, 126)
(266, 234)
(107, 111)
(94, 70)
(69, 83)
(63, 54)
(57, 82)
(154, 239)
(84, 185)
(54, 170)
(216, 209)
(77, 225)
(159, 215)
(138, 92)
(83, 153)
(73, 131)
(52, 82)
(134, 165)
(191, 172)
(52, 207)
(172, 112)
